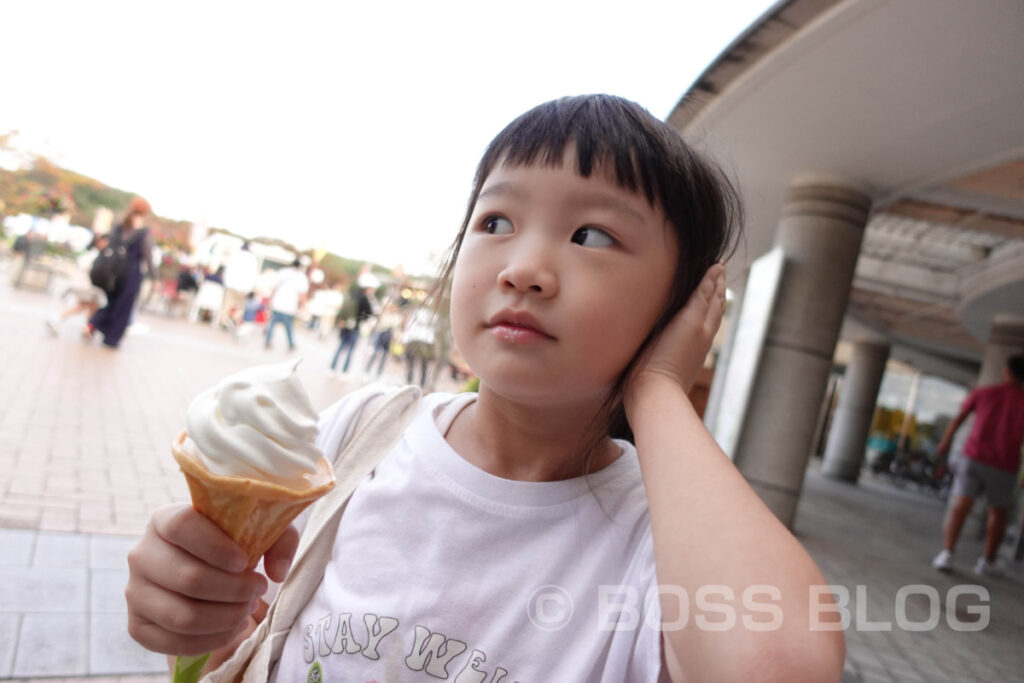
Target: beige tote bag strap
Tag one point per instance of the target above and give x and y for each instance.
(380, 426)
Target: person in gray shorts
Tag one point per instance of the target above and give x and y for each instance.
(973, 478)
(989, 465)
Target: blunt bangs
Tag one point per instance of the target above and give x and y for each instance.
(644, 155)
(604, 130)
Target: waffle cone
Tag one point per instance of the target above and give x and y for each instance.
(253, 512)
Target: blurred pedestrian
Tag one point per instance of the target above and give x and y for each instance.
(131, 243)
(323, 309)
(388, 320)
(418, 340)
(216, 277)
(989, 463)
(288, 297)
(240, 274)
(356, 308)
(185, 287)
(31, 245)
(188, 279)
(88, 297)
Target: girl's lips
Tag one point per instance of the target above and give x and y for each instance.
(518, 335)
(518, 327)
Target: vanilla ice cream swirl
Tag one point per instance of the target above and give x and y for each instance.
(257, 423)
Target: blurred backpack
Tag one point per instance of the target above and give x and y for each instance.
(109, 265)
(355, 308)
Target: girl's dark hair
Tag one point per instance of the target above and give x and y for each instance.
(648, 157)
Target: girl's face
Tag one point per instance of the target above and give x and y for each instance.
(558, 281)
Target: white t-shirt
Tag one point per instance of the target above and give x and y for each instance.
(420, 327)
(291, 284)
(241, 270)
(442, 571)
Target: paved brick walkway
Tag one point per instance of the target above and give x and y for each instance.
(882, 539)
(85, 431)
(84, 459)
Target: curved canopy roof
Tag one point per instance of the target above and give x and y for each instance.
(920, 103)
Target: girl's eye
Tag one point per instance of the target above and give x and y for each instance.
(496, 225)
(592, 237)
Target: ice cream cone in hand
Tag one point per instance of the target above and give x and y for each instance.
(253, 512)
(249, 455)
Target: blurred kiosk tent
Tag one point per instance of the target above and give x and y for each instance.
(213, 249)
(726, 415)
(212, 252)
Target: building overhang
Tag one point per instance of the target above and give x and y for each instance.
(919, 103)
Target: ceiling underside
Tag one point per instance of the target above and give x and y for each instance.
(922, 104)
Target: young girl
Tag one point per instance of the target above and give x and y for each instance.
(509, 536)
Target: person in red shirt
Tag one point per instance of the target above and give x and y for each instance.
(990, 462)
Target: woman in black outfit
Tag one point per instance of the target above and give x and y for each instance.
(113, 319)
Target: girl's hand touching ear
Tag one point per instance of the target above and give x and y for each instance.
(678, 354)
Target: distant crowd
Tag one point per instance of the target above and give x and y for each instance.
(225, 283)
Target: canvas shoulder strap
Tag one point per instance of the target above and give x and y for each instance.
(380, 425)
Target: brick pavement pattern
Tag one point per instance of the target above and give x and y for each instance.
(85, 437)
(84, 460)
(85, 431)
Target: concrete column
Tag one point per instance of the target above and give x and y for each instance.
(820, 231)
(851, 422)
(1005, 339)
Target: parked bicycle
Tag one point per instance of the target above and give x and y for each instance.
(922, 469)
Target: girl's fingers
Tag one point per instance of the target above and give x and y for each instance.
(182, 526)
(706, 304)
(155, 638)
(278, 558)
(158, 561)
(716, 307)
(715, 279)
(181, 599)
(182, 616)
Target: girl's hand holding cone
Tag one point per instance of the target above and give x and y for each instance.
(189, 591)
(252, 464)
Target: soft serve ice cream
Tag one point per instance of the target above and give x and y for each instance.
(249, 455)
(257, 423)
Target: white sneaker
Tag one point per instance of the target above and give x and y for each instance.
(943, 561)
(986, 568)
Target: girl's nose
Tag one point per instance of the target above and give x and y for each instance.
(529, 272)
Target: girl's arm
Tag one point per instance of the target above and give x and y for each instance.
(712, 534)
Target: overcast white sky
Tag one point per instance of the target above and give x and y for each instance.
(354, 127)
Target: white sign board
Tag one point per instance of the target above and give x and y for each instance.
(752, 326)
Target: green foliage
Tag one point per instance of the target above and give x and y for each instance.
(89, 197)
(45, 189)
(340, 269)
